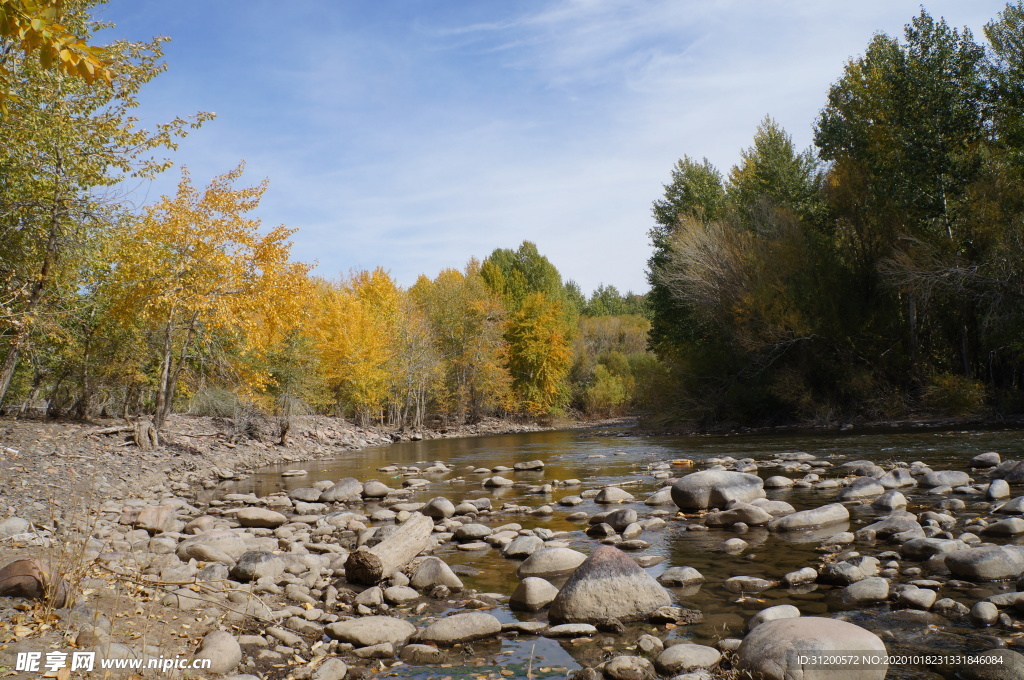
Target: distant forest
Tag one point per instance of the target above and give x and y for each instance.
(876, 275)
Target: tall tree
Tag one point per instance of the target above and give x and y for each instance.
(63, 142)
(205, 270)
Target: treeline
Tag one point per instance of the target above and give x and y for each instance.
(878, 273)
(190, 305)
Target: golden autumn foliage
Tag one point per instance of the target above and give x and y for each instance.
(194, 268)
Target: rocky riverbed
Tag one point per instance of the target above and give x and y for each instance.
(268, 585)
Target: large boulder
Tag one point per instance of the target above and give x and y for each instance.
(433, 571)
(952, 478)
(457, 628)
(833, 513)
(549, 562)
(751, 515)
(371, 630)
(532, 594)
(256, 564)
(347, 489)
(715, 489)
(774, 647)
(210, 544)
(261, 518)
(34, 580)
(222, 650)
(608, 585)
(986, 563)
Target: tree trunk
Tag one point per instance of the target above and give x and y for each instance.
(369, 566)
(49, 258)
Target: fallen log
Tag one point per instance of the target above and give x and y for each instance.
(369, 566)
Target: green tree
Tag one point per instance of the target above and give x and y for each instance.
(64, 141)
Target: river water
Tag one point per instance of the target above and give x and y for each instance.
(600, 457)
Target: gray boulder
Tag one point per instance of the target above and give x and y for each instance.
(459, 628)
(833, 513)
(715, 488)
(222, 650)
(609, 584)
(549, 562)
(219, 541)
(256, 564)
(344, 490)
(865, 591)
(779, 611)
(432, 572)
(522, 547)
(260, 518)
(951, 478)
(862, 487)
(751, 515)
(772, 648)
(532, 594)
(680, 576)
(686, 657)
(371, 630)
(986, 563)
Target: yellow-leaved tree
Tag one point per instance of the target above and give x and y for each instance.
(355, 332)
(193, 268)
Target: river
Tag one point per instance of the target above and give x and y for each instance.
(601, 457)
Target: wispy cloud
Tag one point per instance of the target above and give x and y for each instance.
(413, 136)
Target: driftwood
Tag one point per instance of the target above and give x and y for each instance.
(114, 430)
(369, 566)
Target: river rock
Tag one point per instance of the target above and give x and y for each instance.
(680, 576)
(989, 459)
(532, 594)
(607, 585)
(522, 547)
(432, 572)
(862, 487)
(202, 546)
(306, 494)
(849, 571)
(715, 488)
(621, 518)
(254, 565)
(865, 591)
(747, 584)
(778, 482)
(986, 563)
(772, 648)
(438, 508)
(332, 668)
(548, 562)
(627, 668)
(685, 657)
(997, 490)
(994, 664)
(223, 651)
(371, 630)
(890, 500)
(951, 478)
(660, 497)
(810, 519)
(1012, 507)
(779, 611)
(897, 479)
(156, 519)
(458, 628)
(750, 515)
(375, 489)
(33, 579)
(613, 494)
(260, 518)
(342, 491)
(923, 548)
(1011, 526)
(917, 598)
(12, 526)
(529, 465)
(801, 576)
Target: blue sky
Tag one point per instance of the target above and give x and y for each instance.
(413, 135)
